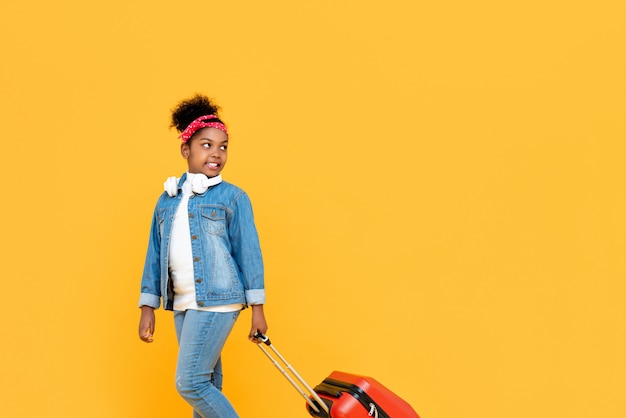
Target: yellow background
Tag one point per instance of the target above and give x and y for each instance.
(438, 186)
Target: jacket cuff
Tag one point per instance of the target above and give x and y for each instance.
(148, 299)
(255, 297)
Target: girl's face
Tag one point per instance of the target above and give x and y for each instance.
(206, 151)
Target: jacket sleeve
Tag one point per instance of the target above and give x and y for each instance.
(247, 250)
(151, 279)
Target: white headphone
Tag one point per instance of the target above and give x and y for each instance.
(199, 183)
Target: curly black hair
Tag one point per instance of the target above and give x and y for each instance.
(191, 109)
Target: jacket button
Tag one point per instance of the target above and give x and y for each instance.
(201, 304)
(196, 259)
(191, 215)
(198, 280)
(213, 213)
(194, 237)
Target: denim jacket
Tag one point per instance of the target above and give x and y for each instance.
(227, 260)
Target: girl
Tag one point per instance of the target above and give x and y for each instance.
(203, 261)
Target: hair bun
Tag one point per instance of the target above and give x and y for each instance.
(190, 109)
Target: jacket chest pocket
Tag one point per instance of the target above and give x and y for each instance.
(214, 220)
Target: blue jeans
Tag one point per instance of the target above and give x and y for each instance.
(201, 337)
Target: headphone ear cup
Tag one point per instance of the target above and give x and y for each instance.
(201, 183)
(171, 186)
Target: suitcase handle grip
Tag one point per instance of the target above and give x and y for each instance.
(262, 337)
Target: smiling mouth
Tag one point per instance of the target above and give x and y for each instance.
(213, 165)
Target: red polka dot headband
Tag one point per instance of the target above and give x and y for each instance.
(199, 124)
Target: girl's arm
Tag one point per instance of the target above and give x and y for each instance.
(150, 297)
(246, 249)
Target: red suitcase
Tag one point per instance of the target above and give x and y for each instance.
(353, 396)
(344, 395)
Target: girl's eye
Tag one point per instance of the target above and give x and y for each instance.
(223, 147)
(206, 145)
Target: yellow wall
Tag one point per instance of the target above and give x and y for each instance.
(439, 189)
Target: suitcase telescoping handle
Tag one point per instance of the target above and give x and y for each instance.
(311, 393)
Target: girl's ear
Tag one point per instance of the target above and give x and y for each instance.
(184, 150)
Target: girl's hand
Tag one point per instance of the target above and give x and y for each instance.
(146, 324)
(258, 323)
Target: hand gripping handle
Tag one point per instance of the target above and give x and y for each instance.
(263, 338)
